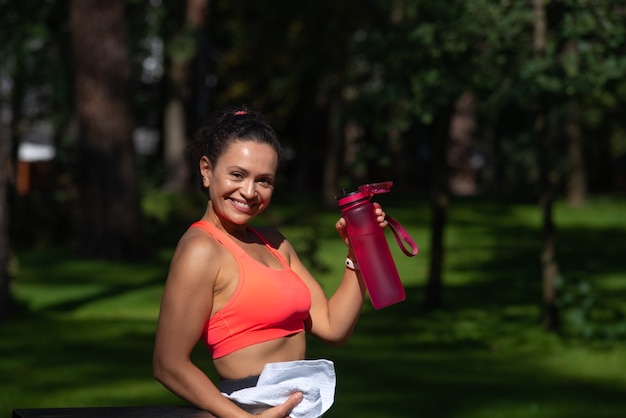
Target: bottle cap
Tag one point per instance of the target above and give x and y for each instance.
(365, 191)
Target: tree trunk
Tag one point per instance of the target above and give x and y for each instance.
(6, 298)
(183, 51)
(433, 292)
(174, 143)
(549, 265)
(331, 158)
(111, 224)
(492, 170)
(576, 175)
(8, 159)
(461, 148)
(398, 150)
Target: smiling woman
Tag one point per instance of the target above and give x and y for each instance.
(247, 167)
(245, 293)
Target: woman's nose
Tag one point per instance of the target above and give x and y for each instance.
(248, 190)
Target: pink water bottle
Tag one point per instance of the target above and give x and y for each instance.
(369, 244)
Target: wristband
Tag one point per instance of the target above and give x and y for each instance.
(352, 265)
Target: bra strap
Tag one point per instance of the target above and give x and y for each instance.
(402, 236)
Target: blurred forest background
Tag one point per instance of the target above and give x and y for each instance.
(464, 98)
(521, 101)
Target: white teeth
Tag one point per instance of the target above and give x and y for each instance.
(241, 204)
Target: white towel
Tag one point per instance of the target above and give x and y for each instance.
(316, 380)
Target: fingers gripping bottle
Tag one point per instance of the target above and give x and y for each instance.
(369, 244)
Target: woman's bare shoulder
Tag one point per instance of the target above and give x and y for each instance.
(197, 254)
(195, 242)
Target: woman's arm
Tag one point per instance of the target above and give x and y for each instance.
(185, 307)
(333, 319)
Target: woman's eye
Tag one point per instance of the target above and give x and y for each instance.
(266, 182)
(237, 174)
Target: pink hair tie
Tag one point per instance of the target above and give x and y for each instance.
(240, 113)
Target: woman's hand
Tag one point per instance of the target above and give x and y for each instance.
(341, 223)
(282, 410)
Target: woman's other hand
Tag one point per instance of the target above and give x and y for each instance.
(283, 410)
(341, 223)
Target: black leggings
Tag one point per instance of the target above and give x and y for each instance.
(230, 386)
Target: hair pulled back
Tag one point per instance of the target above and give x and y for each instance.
(237, 123)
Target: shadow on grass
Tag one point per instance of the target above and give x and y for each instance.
(403, 362)
(57, 282)
(50, 361)
(485, 354)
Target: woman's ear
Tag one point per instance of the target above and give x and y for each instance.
(205, 171)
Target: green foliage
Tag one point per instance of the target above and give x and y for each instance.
(397, 66)
(168, 214)
(586, 315)
(32, 54)
(183, 46)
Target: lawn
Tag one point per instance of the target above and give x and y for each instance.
(84, 332)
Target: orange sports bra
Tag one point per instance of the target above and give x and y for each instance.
(267, 303)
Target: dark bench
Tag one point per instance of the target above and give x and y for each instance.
(114, 412)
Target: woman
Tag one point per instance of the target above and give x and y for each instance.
(243, 291)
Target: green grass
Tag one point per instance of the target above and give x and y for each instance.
(84, 332)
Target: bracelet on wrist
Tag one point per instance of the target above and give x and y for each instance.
(352, 265)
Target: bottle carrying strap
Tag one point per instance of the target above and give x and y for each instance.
(401, 235)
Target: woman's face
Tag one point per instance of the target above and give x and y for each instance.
(242, 181)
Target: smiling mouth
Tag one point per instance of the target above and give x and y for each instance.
(241, 205)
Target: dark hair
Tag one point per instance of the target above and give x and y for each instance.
(237, 123)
